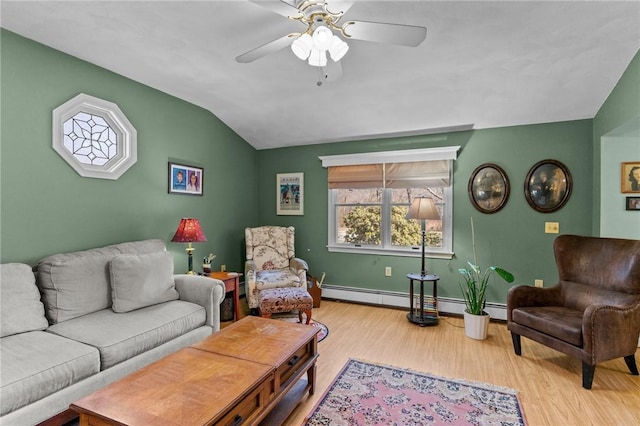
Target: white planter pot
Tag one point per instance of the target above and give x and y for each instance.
(476, 326)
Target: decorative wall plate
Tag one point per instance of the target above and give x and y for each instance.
(548, 185)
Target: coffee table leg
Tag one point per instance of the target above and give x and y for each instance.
(311, 379)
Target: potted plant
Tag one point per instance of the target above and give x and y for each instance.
(476, 320)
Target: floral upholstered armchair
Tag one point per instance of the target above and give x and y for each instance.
(271, 261)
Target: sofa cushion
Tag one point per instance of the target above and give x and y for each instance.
(141, 280)
(121, 336)
(75, 284)
(20, 307)
(37, 364)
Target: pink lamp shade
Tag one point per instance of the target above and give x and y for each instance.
(189, 231)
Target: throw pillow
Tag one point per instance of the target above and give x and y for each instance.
(141, 280)
(20, 307)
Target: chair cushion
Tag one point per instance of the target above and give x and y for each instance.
(141, 280)
(556, 321)
(287, 299)
(37, 364)
(270, 247)
(20, 307)
(75, 284)
(120, 336)
(277, 278)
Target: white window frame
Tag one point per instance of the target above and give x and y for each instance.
(117, 121)
(386, 249)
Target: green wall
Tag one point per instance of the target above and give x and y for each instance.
(47, 208)
(513, 238)
(622, 106)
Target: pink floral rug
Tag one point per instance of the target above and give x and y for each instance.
(371, 394)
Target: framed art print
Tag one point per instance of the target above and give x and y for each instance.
(547, 187)
(290, 194)
(184, 179)
(630, 181)
(488, 188)
(633, 204)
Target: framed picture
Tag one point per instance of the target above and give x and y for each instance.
(633, 203)
(184, 179)
(290, 194)
(488, 188)
(630, 181)
(548, 186)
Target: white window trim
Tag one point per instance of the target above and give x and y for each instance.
(412, 155)
(111, 113)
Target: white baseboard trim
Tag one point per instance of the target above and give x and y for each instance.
(401, 300)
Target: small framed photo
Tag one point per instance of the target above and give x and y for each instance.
(185, 179)
(488, 188)
(633, 203)
(290, 194)
(630, 181)
(547, 187)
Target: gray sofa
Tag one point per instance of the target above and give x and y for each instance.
(79, 321)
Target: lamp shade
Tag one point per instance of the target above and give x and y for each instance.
(338, 48)
(322, 37)
(189, 231)
(318, 58)
(423, 208)
(301, 47)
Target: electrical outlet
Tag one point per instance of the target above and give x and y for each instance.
(538, 283)
(551, 227)
(387, 271)
(223, 268)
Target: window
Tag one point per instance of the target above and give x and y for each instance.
(370, 194)
(94, 137)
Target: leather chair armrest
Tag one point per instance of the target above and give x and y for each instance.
(520, 296)
(204, 291)
(597, 325)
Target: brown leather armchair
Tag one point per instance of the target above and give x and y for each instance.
(593, 313)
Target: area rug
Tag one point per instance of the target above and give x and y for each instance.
(371, 394)
(322, 334)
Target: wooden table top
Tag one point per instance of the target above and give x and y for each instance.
(257, 339)
(184, 388)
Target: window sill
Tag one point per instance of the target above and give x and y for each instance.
(390, 252)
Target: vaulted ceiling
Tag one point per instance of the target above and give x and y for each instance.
(483, 64)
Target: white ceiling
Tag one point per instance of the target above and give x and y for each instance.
(483, 64)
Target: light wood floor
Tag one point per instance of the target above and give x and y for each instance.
(549, 383)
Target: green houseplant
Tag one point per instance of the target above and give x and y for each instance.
(474, 290)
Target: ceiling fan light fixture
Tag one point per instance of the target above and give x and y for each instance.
(322, 38)
(318, 58)
(301, 46)
(338, 48)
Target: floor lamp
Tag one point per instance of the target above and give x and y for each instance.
(189, 231)
(423, 208)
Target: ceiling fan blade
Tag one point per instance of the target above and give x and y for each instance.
(266, 49)
(282, 7)
(405, 35)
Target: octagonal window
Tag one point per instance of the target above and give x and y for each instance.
(94, 137)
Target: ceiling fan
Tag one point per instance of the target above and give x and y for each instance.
(323, 20)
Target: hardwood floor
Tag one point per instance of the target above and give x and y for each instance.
(549, 383)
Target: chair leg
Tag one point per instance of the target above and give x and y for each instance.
(307, 313)
(517, 346)
(587, 375)
(631, 363)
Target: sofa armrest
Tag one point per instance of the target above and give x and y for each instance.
(204, 291)
(250, 269)
(521, 296)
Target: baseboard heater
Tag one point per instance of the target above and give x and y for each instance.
(401, 300)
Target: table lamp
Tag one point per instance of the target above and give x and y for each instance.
(189, 231)
(423, 208)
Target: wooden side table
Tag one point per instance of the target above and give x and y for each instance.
(231, 282)
(422, 315)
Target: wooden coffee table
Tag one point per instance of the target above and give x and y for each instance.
(235, 376)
